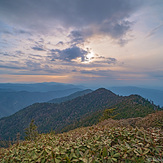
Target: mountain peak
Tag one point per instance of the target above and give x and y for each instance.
(103, 90)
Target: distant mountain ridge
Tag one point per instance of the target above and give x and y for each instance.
(50, 116)
(70, 97)
(151, 94)
(15, 96)
(11, 102)
(38, 87)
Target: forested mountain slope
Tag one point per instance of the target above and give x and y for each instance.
(50, 116)
(55, 116)
(130, 107)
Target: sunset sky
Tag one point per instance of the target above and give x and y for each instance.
(88, 42)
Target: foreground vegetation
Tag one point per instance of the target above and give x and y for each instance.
(109, 141)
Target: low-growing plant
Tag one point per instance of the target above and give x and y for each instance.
(95, 144)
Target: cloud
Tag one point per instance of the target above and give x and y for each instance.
(122, 41)
(77, 37)
(153, 31)
(41, 40)
(60, 43)
(103, 17)
(78, 57)
(43, 68)
(38, 48)
(118, 75)
(10, 30)
(111, 60)
(36, 55)
(33, 66)
(102, 73)
(156, 74)
(11, 67)
(21, 31)
(69, 54)
(14, 54)
(116, 29)
(101, 59)
(5, 54)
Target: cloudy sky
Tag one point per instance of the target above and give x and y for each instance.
(90, 42)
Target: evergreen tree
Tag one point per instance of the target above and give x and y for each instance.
(31, 132)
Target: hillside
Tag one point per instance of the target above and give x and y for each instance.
(130, 107)
(12, 101)
(108, 141)
(70, 97)
(50, 116)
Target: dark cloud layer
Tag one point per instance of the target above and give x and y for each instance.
(38, 48)
(100, 16)
(68, 54)
(74, 52)
(77, 37)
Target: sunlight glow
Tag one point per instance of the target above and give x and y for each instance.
(89, 57)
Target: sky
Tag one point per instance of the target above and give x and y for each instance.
(89, 42)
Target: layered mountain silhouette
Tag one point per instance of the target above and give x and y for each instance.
(70, 97)
(38, 87)
(13, 101)
(16, 96)
(151, 94)
(49, 116)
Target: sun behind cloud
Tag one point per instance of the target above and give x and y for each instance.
(89, 57)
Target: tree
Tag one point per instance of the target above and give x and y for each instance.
(31, 132)
(108, 113)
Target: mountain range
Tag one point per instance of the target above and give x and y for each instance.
(14, 97)
(38, 87)
(70, 97)
(49, 116)
(155, 95)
